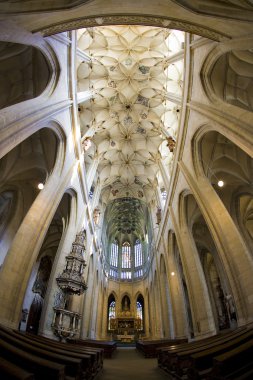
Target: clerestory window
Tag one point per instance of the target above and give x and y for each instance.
(126, 255)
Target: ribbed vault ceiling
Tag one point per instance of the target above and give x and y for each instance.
(126, 216)
(133, 112)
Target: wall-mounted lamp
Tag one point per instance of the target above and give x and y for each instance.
(40, 186)
(172, 273)
(220, 183)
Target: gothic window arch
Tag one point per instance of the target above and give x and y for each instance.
(138, 256)
(140, 312)
(111, 312)
(126, 255)
(114, 254)
(28, 82)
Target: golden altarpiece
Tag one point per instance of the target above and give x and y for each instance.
(126, 325)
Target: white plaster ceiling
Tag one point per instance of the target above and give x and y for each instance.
(130, 115)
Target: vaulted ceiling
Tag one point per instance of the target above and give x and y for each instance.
(136, 78)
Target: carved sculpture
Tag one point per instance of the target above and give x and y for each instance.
(71, 280)
(66, 322)
(96, 216)
(158, 215)
(171, 144)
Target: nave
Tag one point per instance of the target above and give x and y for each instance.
(127, 363)
(126, 197)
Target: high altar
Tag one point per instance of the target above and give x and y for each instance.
(126, 325)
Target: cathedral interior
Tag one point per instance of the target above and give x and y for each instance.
(126, 197)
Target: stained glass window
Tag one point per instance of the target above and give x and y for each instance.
(126, 275)
(114, 254)
(138, 260)
(139, 314)
(126, 255)
(111, 314)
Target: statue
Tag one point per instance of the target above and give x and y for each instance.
(40, 283)
(96, 216)
(230, 307)
(86, 143)
(171, 143)
(158, 215)
(126, 304)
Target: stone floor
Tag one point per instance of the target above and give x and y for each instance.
(129, 364)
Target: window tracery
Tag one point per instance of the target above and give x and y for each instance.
(111, 314)
(126, 256)
(114, 254)
(138, 257)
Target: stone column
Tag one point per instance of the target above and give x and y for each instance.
(146, 316)
(64, 248)
(94, 306)
(92, 172)
(166, 304)
(96, 195)
(203, 320)
(104, 317)
(177, 300)
(87, 305)
(158, 310)
(99, 312)
(23, 253)
(165, 175)
(232, 251)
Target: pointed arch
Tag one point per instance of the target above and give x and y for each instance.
(32, 73)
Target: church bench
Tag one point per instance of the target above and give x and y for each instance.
(168, 356)
(42, 368)
(65, 349)
(149, 348)
(235, 363)
(74, 367)
(75, 348)
(96, 355)
(247, 375)
(200, 363)
(108, 346)
(10, 371)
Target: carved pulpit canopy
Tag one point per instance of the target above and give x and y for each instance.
(71, 280)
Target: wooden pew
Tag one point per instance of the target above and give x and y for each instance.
(41, 368)
(236, 363)
(201, 362)
(77, 368)
(96, 355)
(10, 371)
(169, 356)
(75, 348)
(108, 346)
(149, 348)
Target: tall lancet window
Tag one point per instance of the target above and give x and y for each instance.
(114, 254)
(111, 313)
(139, 312)
(126, 255)
(138, 259)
